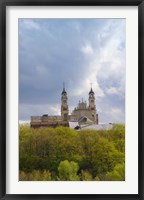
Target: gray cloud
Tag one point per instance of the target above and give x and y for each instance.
(77, 51)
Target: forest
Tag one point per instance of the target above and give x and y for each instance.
(63, 154)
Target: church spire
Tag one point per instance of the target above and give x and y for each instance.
(92, 105)
(64, 91)
(91, 90)
(64, 104)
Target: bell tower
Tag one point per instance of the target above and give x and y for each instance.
(64, 105)
(92, 106)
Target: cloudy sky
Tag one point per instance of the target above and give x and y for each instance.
(75, 51)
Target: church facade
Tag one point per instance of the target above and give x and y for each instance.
(83, 113)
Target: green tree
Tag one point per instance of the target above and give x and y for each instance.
(68, 171)
(23, 176)
(96, 153)
(87, 139)
(86, 175)
(35, 175)
(105, 157)
(118, 174)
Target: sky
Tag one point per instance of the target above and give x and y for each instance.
(78, 52)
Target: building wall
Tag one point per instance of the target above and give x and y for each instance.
(78, 113)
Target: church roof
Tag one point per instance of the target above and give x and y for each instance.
(84, 119)
(91, 91)
(64, 92)
(97, 126)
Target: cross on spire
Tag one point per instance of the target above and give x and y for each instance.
(63, 85)
(91, 84)
(64, 92)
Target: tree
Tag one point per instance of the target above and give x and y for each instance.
(118, 174)
(35, 175)
(86, 175)
(87, 140)
(105, 157)
(69, 154)
(68, 171)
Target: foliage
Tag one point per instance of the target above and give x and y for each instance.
(118, 174)
(68, 171)
(35, 175)
(65, 154)
(86, 175)
(105, 156)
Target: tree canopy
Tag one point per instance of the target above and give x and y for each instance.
(63, 154)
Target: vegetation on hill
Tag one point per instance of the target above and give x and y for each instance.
(63, 154)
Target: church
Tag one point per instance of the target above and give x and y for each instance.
(82, 114)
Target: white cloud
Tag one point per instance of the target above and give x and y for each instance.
(112, 90)
(111, 114)
(84, 86)
(117, 115)
(104, 62)
(38, 109)
(41, 70)
(30, 24)
(106, 70)
(111, 61)
(87, 49)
